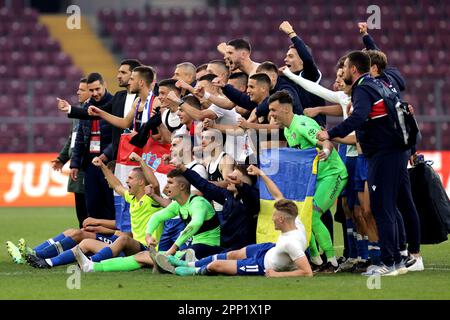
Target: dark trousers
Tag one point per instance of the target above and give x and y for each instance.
(401, 231)
(384, 175)
(340, 217)
(80, 207)
(408, 211)
(99, 196)
(171, 232)
(327, 219)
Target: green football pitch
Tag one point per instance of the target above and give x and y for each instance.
(38, 224)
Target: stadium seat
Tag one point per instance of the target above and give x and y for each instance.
(329, 29)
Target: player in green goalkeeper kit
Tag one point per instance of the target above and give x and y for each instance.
(300, 132)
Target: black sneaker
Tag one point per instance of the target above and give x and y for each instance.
(408, 260)
(328, 268)
(341, 260)
(315, 267)
(361, 267)
(37, 262)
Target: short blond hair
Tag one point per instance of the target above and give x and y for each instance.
(288, 207)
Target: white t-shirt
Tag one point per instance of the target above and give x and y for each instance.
(212, 168)
(234, 145)
(224, 116)
(200, 169)
(197, 139)
(129, 103)
(289, 247)
(173, 120)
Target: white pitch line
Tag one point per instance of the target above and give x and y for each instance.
(438, 269)
(19, 273)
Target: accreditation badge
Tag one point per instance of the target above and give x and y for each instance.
(94, 146)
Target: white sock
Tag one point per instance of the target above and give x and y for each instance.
(333, 261)
(91, 267)
(404, 253)
(317, 260)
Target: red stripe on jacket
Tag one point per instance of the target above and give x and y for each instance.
(378, 109)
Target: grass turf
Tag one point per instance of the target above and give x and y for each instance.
(38, 224)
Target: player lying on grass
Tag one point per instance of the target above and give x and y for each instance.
(201, 220)
(286, 258)
(141, 208)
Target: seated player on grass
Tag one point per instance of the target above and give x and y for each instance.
(99, 229)
(286, 258)
(141, 209)
(201, 220)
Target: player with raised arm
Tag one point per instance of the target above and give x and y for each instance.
(286, 258)
(332, 175)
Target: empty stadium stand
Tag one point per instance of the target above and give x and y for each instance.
(415, 36)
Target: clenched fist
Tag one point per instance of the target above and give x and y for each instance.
(286, 27)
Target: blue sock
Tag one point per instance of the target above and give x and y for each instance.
(67, 243)
(105, 253)
(366, 245)
(203, 270)
(48, 252)
(374, 252)
(363, 251)
(352, 248)
(56, 248)
(64, 258)
(207, 260)
(49, 242)
(204, 261)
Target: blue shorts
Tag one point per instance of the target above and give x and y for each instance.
(349, 190)
(106, 238)
(343, 152)
(361, 173)
(171, 232)
(253, 265)
(123, 222)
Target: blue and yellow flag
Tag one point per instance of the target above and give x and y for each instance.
(294, 171)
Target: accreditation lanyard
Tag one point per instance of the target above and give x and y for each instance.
(146, 112)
